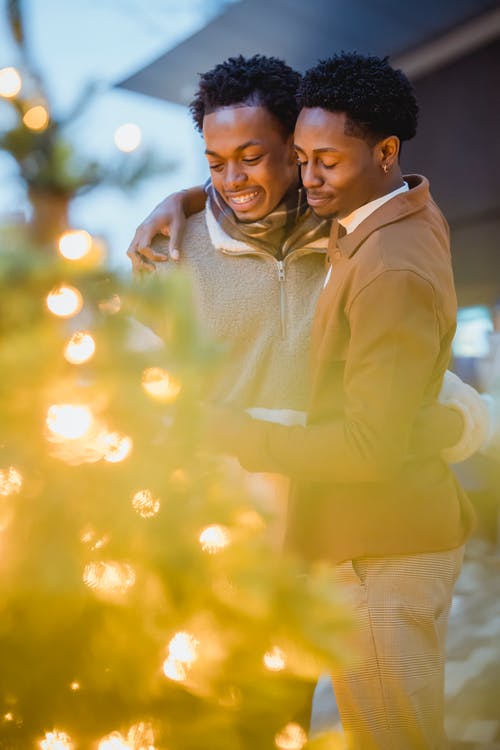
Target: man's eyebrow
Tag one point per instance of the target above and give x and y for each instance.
(242, 147)
(322, 150)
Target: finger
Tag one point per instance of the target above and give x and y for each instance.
(156, 256)
(176, 234)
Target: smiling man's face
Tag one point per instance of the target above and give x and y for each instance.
(252, 162)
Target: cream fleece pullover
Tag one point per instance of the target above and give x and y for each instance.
(260, 309)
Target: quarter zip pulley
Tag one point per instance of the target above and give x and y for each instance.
(281, 277)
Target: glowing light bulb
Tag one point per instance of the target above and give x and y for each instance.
(111, 578)
(80, 348)
(160, 385)
(116, 447)
(74, 686)
(184, 648)
(291, 737)
(75, 244)
(174, 670)
(214, 538)
(275, 659)
(114, 741)
(64, 301)
(9, 716)
(36, 118)
(128, 137)
(11, 481)
(69, 421)
(145, 503)
(141, 736)
(56, 741)
(10, 82)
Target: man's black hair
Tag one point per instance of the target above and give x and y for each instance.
(377, 99)
(257, 81)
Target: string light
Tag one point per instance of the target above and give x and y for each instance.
(113, 741)
(75, 686)
(69, 421)
(182, 653)
(214, 538)
(141, 736)
(56, 741)
(89, 537)
(145, 503)
(11, 481)
(36, 118)
(160, 385)
(80, 348)
(174, 670)
(291, 737)
(10, 82)
(64, 301)
(275, 659)
(75, 244)
(116, 447)
(111, 578)
(128, 137)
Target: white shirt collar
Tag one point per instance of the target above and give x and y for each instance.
(363, 212)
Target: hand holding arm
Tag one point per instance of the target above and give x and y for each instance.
(169, 219)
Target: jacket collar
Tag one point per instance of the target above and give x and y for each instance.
(394, 210)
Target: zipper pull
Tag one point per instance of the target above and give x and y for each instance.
(281, 277)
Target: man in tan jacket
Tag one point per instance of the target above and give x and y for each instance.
(393, 525)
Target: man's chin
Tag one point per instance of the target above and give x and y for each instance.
(324, 212)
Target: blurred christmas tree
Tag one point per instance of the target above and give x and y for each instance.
(143, 605)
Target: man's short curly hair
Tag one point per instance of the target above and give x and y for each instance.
(377, 99)
(257, 80)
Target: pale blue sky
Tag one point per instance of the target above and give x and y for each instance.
(77, 41)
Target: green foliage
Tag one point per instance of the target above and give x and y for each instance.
(73, 518)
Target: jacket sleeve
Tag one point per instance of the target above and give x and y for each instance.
(394, 347)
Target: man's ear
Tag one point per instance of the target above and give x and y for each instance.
(291, 153)
(387, 150)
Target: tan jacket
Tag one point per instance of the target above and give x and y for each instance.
(381, 343)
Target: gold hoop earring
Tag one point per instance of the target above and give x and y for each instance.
(385, 167)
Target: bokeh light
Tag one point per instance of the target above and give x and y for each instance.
(10, 82)
(291, 737)
(160, 385)
(110, 577)
(11, 481)
(64, 301)
(36, 118)
(56, 741)
(116, 447)
(145, 503)
(69, 421)
(75, 244)
(113, 741)
(128, 137)
(275, 659)
(214, 538)
(80, 348)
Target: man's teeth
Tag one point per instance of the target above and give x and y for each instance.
(243, 198)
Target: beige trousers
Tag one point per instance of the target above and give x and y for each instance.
(391, 695)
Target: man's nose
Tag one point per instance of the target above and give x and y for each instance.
(309, 175)
(234, 177)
